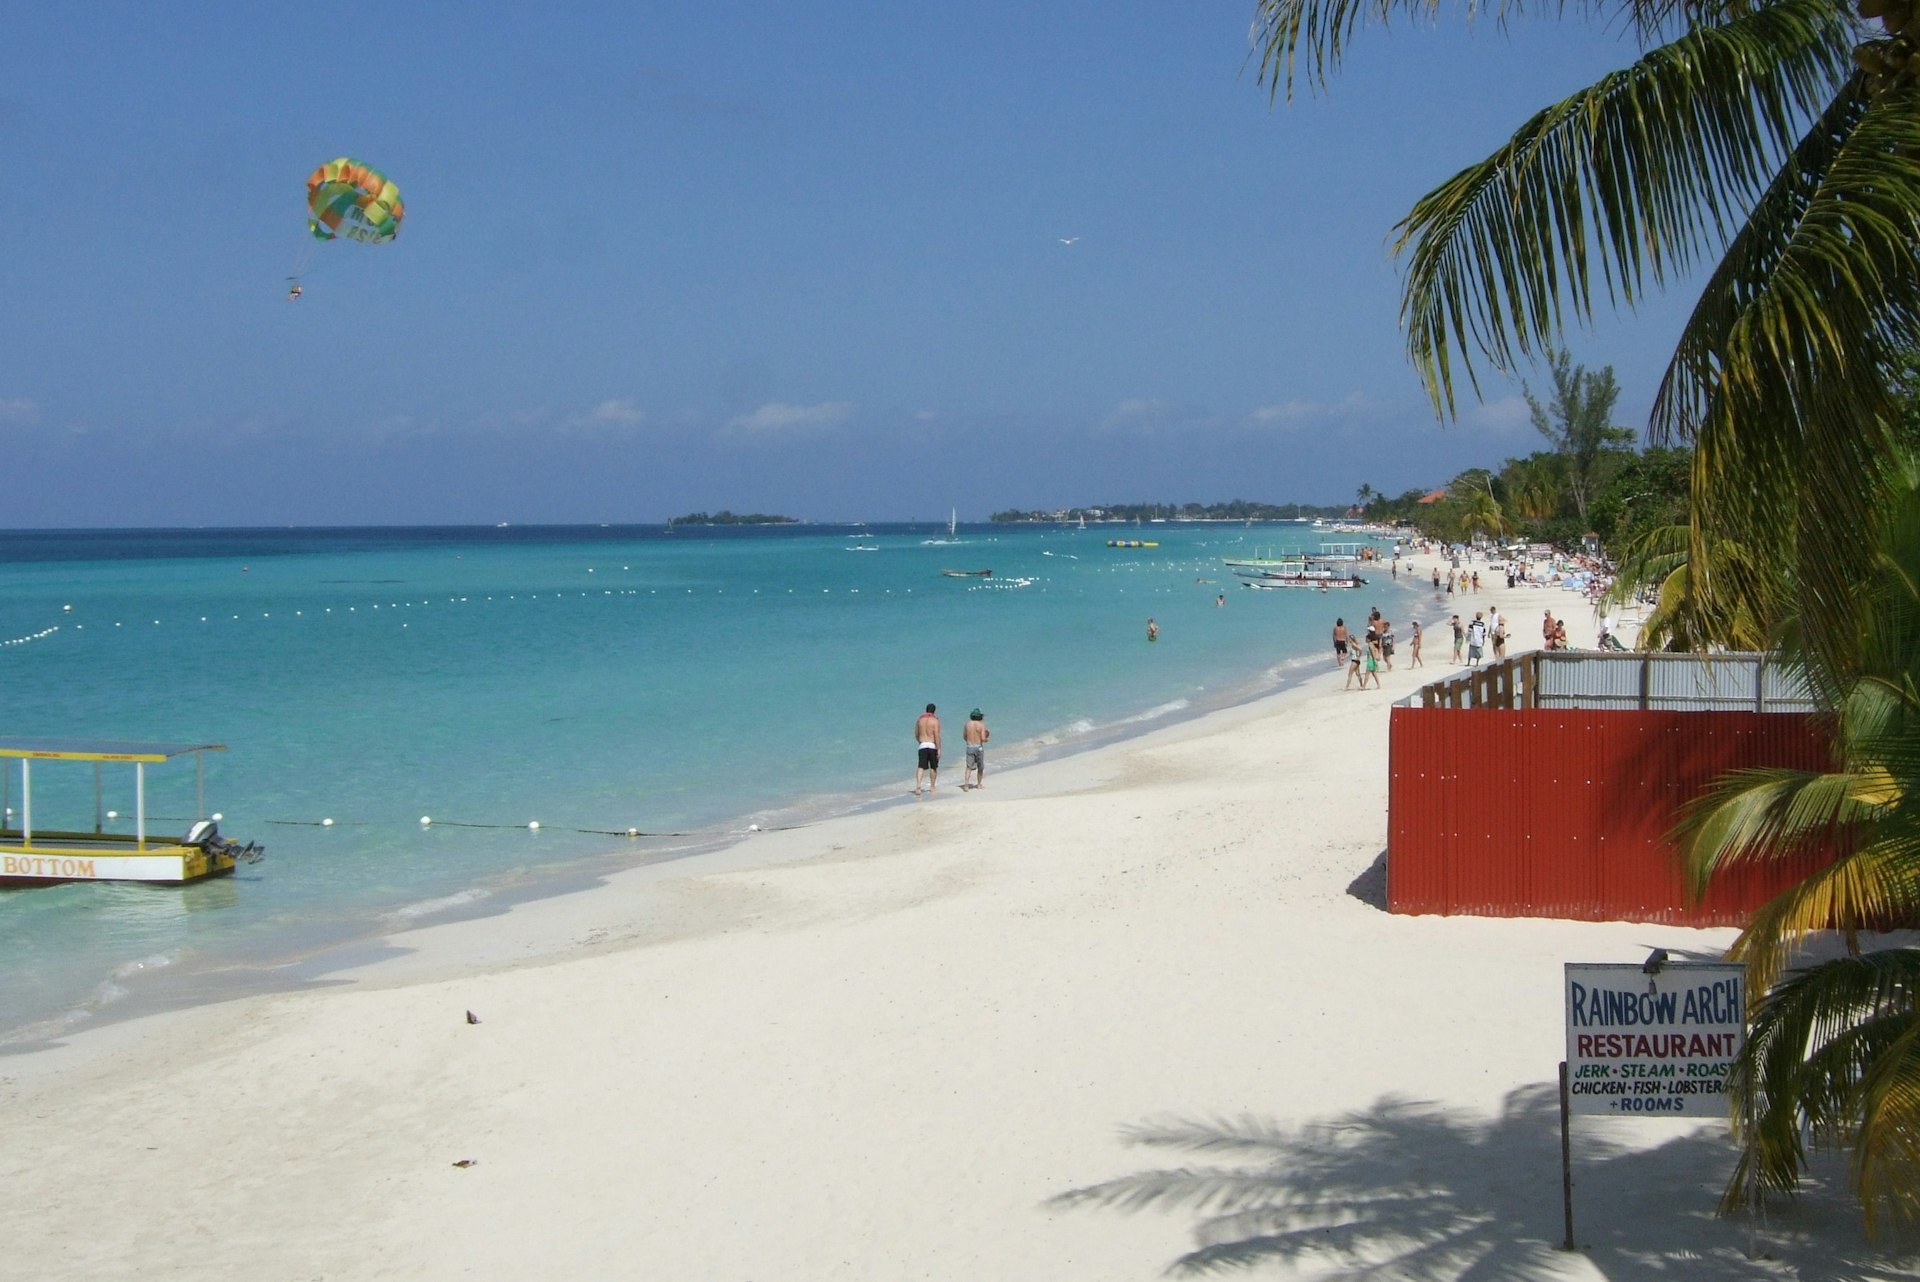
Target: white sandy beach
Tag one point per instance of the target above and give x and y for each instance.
(889, 1046)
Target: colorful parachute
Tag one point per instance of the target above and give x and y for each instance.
(351, 199)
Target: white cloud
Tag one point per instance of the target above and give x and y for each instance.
(18, 410)
(1357, 407)
(1507, 415)
(1146, 416)
(778, 416)
(617, 413)
(1139, 411)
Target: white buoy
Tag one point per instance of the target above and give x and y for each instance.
(326, 823)
(68, 609)
(426, 821)
(111, 814)
(532, 825)
(633, 832)
(216, 816)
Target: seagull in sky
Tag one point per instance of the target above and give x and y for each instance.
(1066, 240)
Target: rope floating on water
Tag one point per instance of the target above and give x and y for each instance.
(535, 826)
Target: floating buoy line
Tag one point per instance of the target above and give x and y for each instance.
(387, 608)
(533, 825)
(31, 637)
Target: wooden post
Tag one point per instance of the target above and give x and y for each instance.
(1566, 1160)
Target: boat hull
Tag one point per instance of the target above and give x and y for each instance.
(53, 859)
(1266, 584)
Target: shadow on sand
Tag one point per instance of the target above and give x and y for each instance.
(1409, 1190)
(1370, 887)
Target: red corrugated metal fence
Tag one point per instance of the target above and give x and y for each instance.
(1565, 812)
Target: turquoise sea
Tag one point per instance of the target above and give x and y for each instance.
(587, 679)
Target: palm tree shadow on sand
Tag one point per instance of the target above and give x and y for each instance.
(1410, 1190)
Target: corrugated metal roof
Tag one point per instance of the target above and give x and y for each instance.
(1599, 680)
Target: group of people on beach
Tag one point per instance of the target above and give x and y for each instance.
(1365, 656)
(1478, 635)
(926, 734)
(1469, 582)
(1553, 633)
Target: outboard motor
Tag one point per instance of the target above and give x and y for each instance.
(205, 834)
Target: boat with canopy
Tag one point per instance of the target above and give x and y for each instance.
(41, 856)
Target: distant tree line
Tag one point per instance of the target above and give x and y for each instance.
(724, 517)
(1233, 510)
(1591, 481)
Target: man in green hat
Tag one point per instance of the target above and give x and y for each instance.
(977, 735)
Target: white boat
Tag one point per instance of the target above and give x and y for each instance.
(1297, 574)
(953, 524)
(1305, 581)
(1281, 561)
(31, 856)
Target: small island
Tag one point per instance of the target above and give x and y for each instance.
(724, 517)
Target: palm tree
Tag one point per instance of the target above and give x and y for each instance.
(1782, 136)
(1534, 485)
(1776, 142)
(1578, 420)
(1834, 1051)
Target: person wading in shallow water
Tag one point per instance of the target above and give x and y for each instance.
(1153, 630)
(926, 733)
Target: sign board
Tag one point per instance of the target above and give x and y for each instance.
(1653, 1042)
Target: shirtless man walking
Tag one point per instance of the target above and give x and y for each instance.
(976, 735)
(926, 733)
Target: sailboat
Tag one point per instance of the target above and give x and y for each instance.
(953, 524)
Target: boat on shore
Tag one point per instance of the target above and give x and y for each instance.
(43, 857)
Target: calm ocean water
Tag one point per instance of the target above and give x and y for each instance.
(590, 679)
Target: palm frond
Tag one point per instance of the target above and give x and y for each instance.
(1887, 1157)
(1765, 814)
(1815, 1041)
(1322, 29)
(1782, 372)
(1652, 166)
(1872, 889)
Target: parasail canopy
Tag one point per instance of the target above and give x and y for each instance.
(347, 197)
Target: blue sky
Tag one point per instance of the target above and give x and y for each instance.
(793, 257)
